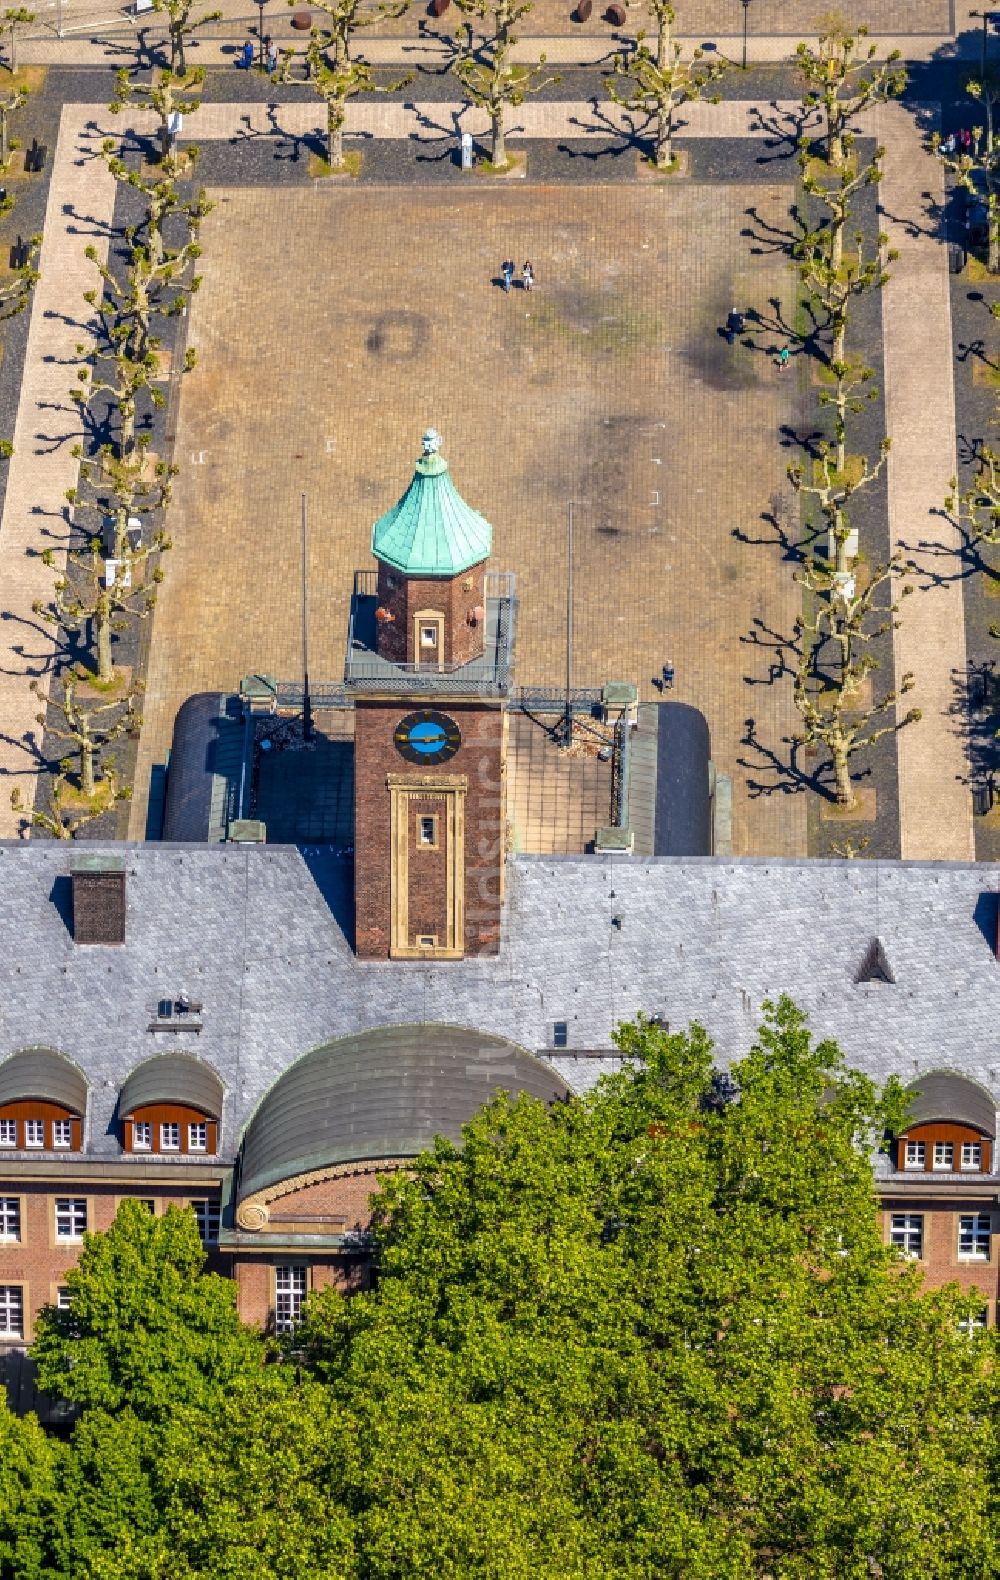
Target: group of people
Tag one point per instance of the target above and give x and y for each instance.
(507, 275)
(270, 56)
(959, 142)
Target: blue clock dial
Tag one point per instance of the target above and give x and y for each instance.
(427, 737)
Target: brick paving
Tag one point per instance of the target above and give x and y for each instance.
(610, 385)
(668, 354)
(81, 198)
(935, 807)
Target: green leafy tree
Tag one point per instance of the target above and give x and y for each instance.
(484, 67)
(843, 78)
(657, 1332)
(148, 1327)
(661, 80)
(29, 1497)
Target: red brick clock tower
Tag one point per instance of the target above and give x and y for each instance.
(429, 663)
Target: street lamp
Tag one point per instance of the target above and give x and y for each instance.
(262, 4)
(746, 12)
(989, 19)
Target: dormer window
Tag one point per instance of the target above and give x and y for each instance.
(171, 1105)
(915, 1156)
(34, 1132)
(944, 1155)
(950, 1125)
(972, 1155)
(43, 1097)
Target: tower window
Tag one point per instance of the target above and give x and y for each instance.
(427, 832)
(428, 636)
(427, 941)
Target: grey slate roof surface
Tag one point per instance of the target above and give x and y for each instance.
(383, 1094)
(254, 933)
(173, 1078)
(947, 1096)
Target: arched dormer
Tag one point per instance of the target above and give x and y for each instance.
(372, 1101)
(43, 1102)
(171, 1105)
(950, 1126)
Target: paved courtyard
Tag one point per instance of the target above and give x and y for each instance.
(336, 323)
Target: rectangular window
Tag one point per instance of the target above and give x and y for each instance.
(208, 1214)
(906, 1232)
(11, 1311)
(142, 1135)
(974, 1323)
(149, 1203)
(428, 636)
(8, 1132)
(944, 1155)
(63, 1298)
(427, 941)
(974, 1236)
(170, 1137)
(289, 1295)
(560, 1034)
(62, 1132)
(916, 1154)
(71, 1217)
(10, 1218)
(427, 832)
(972, 1155)
(34, 1132)
(198, 1138)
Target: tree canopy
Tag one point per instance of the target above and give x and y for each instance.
(650, 1332)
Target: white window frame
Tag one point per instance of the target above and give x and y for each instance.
(199, 1128)
(209, 1216)
(976, 1236)
(943, 1159)
(146, 1144)
(70, 1217)
(30, 1126)
(60, 1128)
(974, 1161)
(10, 1220)
(905, 1230)
(291, 1285)
(11, 1311)
(8, 1137)
(428, 636)
(975, 1324)
(915, 1155)
(64, 1298)
(170, 1125)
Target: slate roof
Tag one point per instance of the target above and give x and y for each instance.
(431, 531)
(383, 1094)
(256, 933)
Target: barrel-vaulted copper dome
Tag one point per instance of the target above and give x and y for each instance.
(384, 1093)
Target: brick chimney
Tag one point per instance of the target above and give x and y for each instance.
(98, 899)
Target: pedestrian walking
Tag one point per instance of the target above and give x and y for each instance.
(527, 276)
(783, 356)
(668, 676)
(948, 145)
(270, 55)
(507, 270)
(246, 59)
(735, 324)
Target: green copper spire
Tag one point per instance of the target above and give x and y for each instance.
(432, 531)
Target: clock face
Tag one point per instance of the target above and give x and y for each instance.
(427, 737)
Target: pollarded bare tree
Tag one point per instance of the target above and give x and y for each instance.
(337, 79)
(488, 74)
(662, 80)
(347, 17)
(843, 78)
(182, 25)
(87, 728)
(835, 716)
(11, 23)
